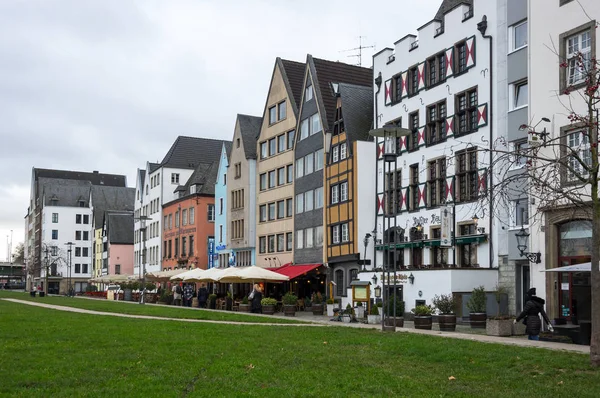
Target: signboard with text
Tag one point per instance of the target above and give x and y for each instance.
(211, 252)
(446, 226)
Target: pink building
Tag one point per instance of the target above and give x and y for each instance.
(117, 238)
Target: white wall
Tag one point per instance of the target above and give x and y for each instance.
(365, 159)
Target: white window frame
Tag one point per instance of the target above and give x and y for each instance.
(335, 234)
(299, 203)
(262, 213)
(315, 118)
(304, 129)
(174, 178)
(335, 194)
(578, 142)
(318, 160)
(572, 57)
(344, 191)
(300, 239)
(345, 233)
(309, 164)
(512, 36)
(514, 93)
(514, 208)
(309, 238)
(308, 93)
(335, 154)
(343, 151)
(309, 200)
(299, 168)
(319, 236)
(318, 202)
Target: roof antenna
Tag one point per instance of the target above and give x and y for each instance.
(359, 48)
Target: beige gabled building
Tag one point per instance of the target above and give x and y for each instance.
(275, 166)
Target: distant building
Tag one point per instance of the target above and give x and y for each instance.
(222, 251)
(117, 243)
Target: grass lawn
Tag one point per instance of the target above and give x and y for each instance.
(47, 353)
(136, 309)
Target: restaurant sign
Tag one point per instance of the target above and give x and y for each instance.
(389, 279)
(211, 251)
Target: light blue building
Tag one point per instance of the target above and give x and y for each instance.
(222, 252)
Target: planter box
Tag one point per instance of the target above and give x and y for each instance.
(518, 329)
(499, 327)
(268, 309)
(330, 308)
(399, 321)
(447, 322)
(373, 319)
(244, 308)
(317, 309)
(346, 318)
(359, 311)
(477, 320)
(423, 322)
(289, 310)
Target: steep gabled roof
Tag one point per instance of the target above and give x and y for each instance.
(293, 76)
(67, 192)
(153, 166)
(448, 5)
(120, 228)
(357, 108)
(111, 199)
(189, 152)
(95, 178)
(249, 129)
(142, 178)
(204, 177)
(324, 73)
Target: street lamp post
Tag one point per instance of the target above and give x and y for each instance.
(69, 291)
(143, 229)
(46, 272)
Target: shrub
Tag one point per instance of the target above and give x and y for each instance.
(317, 298)
(389, 308)
(135, 285)
(478, 300)
(245, 300)
(289, 299)
(374, 310)
(150, 286)
(445, 303)
(330, 301)
(422, 310)
(268, 301)
(359, 304)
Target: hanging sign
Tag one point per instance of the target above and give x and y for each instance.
(211, 252)
(446, 226)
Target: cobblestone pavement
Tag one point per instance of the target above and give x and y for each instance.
(463, 332)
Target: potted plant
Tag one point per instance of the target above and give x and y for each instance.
(244, 306)
(380, 307)
(499, 325)
(317, 303)
(348, 314)
(476, 305)
(330, 306)
(423, 316)
(166, 297)
(268, 305)
(307, 304)
(399, 311)
(374, 318)
(212, 301)
(445, 305)
(290, 301)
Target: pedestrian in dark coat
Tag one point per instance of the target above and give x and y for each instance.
(202, 296)
(256, 300)
(533, 307)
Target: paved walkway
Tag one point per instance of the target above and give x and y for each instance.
(322, 321)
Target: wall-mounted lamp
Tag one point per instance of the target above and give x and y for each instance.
(377, 291)
(419, 227)
(531, 130)
(522, 239)
(374, 279)
(481, 230)
(411, 279)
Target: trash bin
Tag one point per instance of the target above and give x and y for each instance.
(32, 293)
(42, 294)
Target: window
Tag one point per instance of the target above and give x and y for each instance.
(436, 123)
(263, 181)
(281, 176)
(414, 187)
(413, 81)
(117, 269)
(344, 191)
(184, 217)
(81, 203)
(77, 218)
(413, 138)
(211, 213)
(466, 111)
(335, 234)
(519, 212)
(393, 192)
(309, 242)
(177, 219)
(436, 184)
(53, 250)
(315, 123)
(272, 180)
(343, 151)
(55, 234)
(281, 209)
(308, 163)
(290, 173)
(319, 160)
(86, 235)
(78, 268)
(77, 235)
(280, 242)
(170, 221)
(193, 216)
(309, 200)
(436, 67)
(237, 143)
(467, 252)
(335, 156)
(281, 110)
(221, 205)
(299, 167)
(176, 247)
(191, 251)
(184, 246)
(519, 95)
(308, 93)
(78, 252)
(335, 194)
(263, 150)
(339, 282)
(272, 114)
(300, 239)
(299, 203)
(174, 178)
(290, 139)
(281, 143)
(519, 149)
(271, 211)
(466, 175)
(577, 52)
(289, 243)
(221, 233)
(262, 244)
(170, 247)
(519, 35)
(304, 129)
(272, 146)
(192, 189)
(578, 145)
(54, 217)
(461, 49)
(345, 233)
(439, 255)
(262, 213)
(319, 236)
(238, 170)
(318, 198)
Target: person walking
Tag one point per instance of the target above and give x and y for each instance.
(177, 294)
(533, 307)
(188, 293)
(256, 299)
(202, 296)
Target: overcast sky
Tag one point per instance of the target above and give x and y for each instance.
(109, 84)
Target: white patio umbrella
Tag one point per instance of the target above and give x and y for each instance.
(584, 267)
(113, 278)
(251, 274)
(209, 275)
(182, 275)
(192, 275)
(163, 276)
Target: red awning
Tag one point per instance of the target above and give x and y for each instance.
(294, 271)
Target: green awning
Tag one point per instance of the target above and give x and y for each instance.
(432, 242)
(463, 240)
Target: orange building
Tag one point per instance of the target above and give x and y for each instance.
(188, 222)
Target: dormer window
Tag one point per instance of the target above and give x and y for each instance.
(82, 203)
(192, 188)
